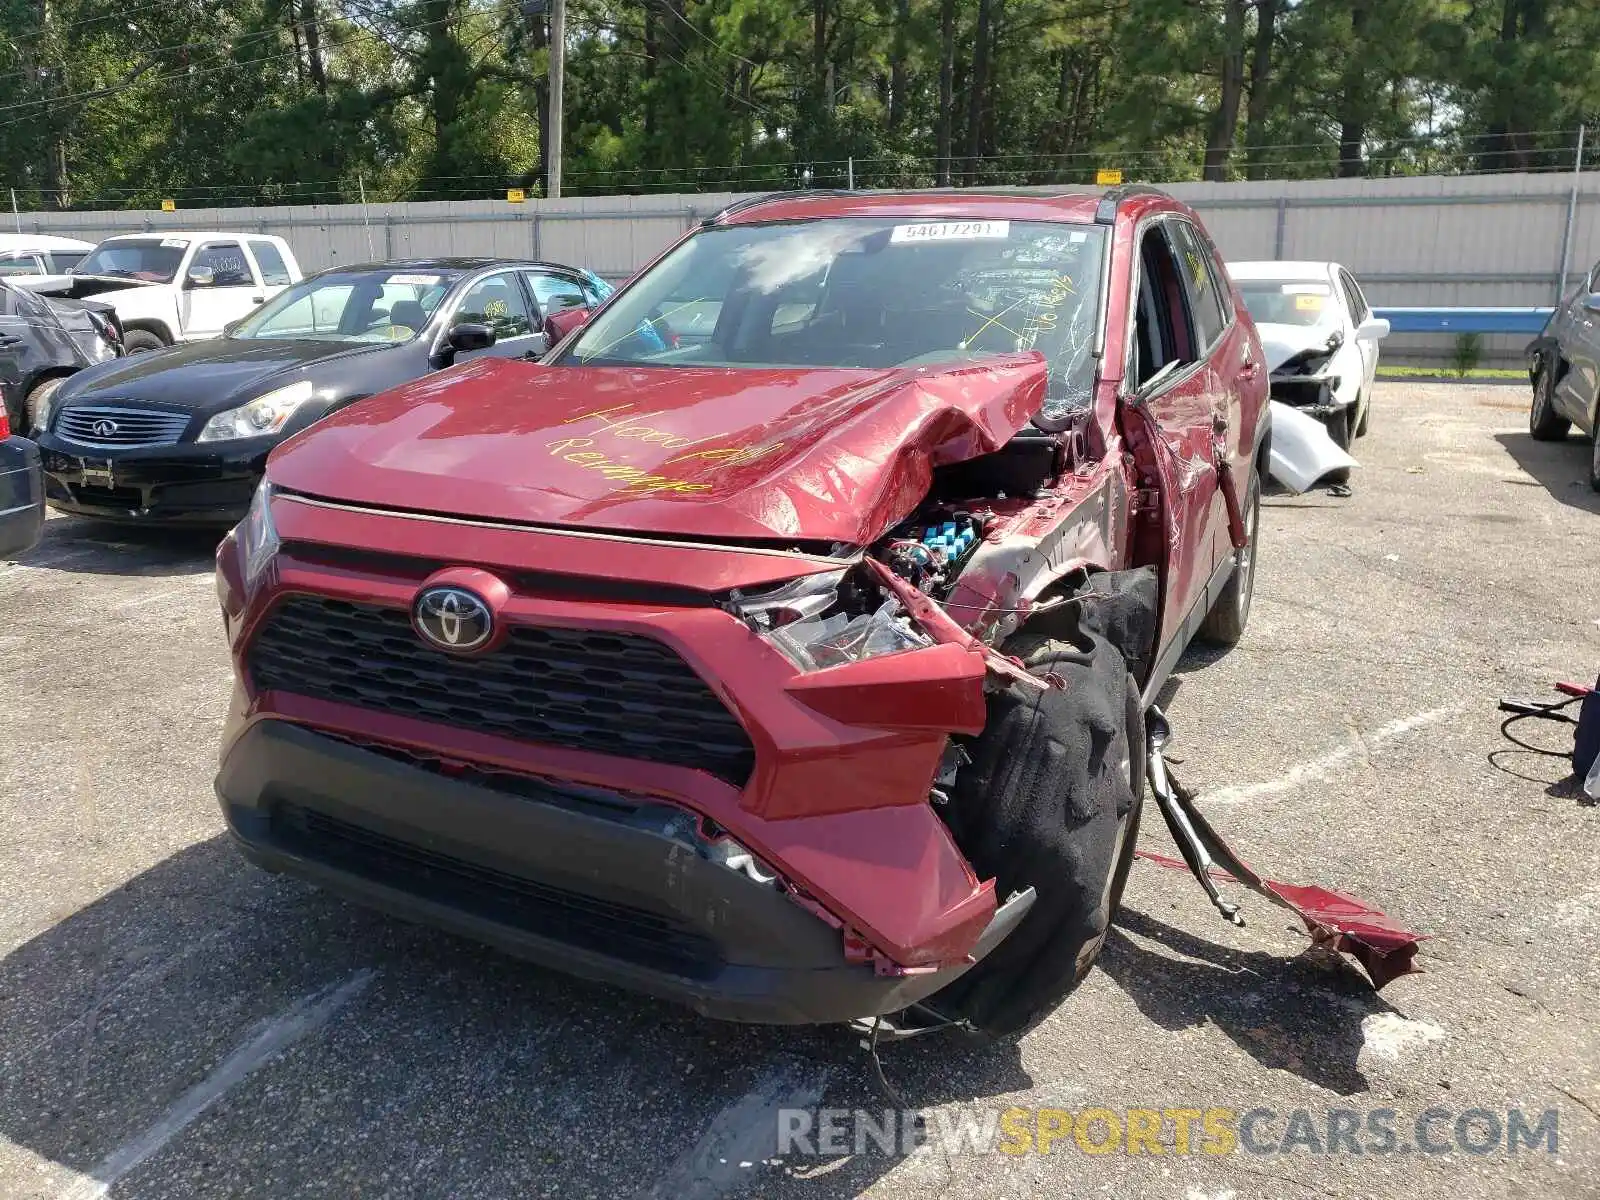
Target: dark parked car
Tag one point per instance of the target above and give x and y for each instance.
(42, 342)
(182, 434)
(21, 489)
(1564, 368)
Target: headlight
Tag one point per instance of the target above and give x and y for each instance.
(263, 415)
(813, 626)
(257, 535)
(41, 411)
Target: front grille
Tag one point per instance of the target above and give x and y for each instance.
(110, 427)
(611, 693)
(620, 930)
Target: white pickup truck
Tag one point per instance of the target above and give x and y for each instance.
(171, 287)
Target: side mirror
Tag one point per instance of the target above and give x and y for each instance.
(1373, 329)
(469, 335)
(559, 324)
(202, 277)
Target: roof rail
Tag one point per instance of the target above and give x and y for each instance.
(752, 201)
(1105, 212)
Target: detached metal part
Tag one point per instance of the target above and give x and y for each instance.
(1302, 452)
(1333, 919)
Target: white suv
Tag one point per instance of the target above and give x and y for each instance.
(182, 287)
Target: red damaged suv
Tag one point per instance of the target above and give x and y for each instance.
(781, 644)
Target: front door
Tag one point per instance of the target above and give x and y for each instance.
(220, 285)
(1580, 346)
(500, 302)
(1178, 402)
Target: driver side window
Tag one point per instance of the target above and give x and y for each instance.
(226, 262)
(496, 302)
(1163, 332)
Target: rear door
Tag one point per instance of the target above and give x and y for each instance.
(219, 286)
(1175, 397)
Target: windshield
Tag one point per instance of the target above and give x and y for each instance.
(370, 306)
(851, 292)
(1306, 304)
(154, 260)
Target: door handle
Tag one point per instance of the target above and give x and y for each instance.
(258, 299)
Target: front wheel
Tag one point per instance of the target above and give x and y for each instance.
(141, 341)
(1544, 423)
(1050, 800)
(37, 400)
(1224, 624)
(1365, 404)
(1594, 460)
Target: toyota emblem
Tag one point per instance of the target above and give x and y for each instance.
(104, 428)
(453, 618)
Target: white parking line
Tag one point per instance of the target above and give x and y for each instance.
(1359, 746)
(270, 1039)
(742, 1137)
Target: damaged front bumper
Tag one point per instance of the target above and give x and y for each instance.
(618, 889)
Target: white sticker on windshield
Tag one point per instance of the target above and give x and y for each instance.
(951, 231)
(174, 243)
(414, 280)
(1307, 289)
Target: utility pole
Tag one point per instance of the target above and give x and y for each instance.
(1572, 213)
(558, 70)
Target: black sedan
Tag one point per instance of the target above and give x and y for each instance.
(42, 342)
(181, 435)
(21, 489)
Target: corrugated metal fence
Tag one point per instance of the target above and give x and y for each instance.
(1433, 240)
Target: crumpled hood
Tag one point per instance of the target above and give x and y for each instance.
(1280, 343)
(818, 454)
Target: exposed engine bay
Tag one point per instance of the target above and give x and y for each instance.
(1303, 379)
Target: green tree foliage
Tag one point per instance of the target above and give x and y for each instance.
(124, 102)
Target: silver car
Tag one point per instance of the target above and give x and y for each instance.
(1564, 367)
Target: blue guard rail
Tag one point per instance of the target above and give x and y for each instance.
(1465, 320)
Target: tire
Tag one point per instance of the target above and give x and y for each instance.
(1364, 403)
(1050, 801)
(41, 392)
(1339, 426)
(1594, 461)
(140, 341)
(1224, 624)
(1544, 423)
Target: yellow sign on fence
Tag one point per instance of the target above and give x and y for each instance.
(169, 206)
(515, 195)
(1108, 176)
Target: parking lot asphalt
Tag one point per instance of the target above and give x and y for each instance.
(175, 1023)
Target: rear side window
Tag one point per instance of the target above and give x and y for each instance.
(64, 260)
(555, 292)
(1200, 283)
(274, 271)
